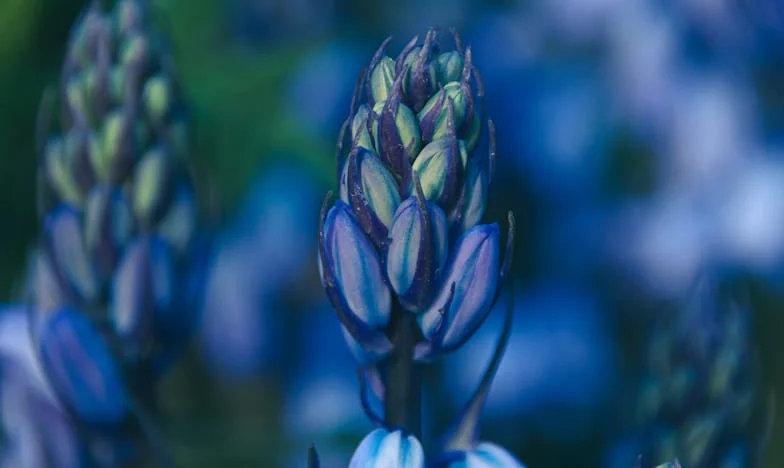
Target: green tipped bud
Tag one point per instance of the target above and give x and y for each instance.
(135, 51)
(382, 79)
(151, 187)
(437, 108)
(157, 97)
(379, 187)
(59, 174)
(407, 129)
(117, 147)
(437, 167)
(360, 126)
(448, 67)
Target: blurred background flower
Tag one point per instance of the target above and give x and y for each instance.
(639, 144)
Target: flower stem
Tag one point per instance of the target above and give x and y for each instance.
(403, 381)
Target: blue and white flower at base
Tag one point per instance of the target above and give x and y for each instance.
(383, 448)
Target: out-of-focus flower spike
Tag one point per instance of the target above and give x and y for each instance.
(81, 369)
(364, 398)
(313, 458)
(178, 225)
(65, 245)
(464, 434)
(369, 338)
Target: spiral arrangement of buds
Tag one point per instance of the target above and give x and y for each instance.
(116, 280)
(404, 260)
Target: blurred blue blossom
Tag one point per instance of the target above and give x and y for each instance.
(263, 251)
(559, 371)
(36, 429)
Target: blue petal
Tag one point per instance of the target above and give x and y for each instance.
(382, 448)
(357, 268)
(81, 369)
(473, 269)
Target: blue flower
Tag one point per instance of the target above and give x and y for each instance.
(384, 448)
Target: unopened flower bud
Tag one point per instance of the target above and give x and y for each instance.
(382, 448)
(382, 78)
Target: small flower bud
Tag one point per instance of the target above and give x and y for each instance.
(133, 300)
(59, 174)
(117, 154)
(66, 248)
(157, 97)
(152, 186)
(107, 226)
(81, 369)
(484, 455)
(382, 78)
(382, 448)
(467, 288)
(401, 137)
(415, 258)
(359, 125)
(449, 67)
(439, 168)
(475, 196)
(356, 267)
(434, 115)
(379, 189)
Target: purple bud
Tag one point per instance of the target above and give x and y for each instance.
(133, 298)
(473, 276)
(81, 369)
(415, 258)
(357, 268)
(107, 226)
(65, 246)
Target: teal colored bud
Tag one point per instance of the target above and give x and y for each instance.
(152, 186)
(135, 51)
(475, 197)
(359, 126)
(468, 287)
(384, 449)
(414, 257)
(59, 175)
(434, 115)
(407, 128)
(179, 223)
(382, 78)
(108, 224)
(157, 97)
(66, 248)
(117, 150)
(449, 67)
(379, 186)
(439, 168)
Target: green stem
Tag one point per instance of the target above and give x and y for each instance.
(403, 380)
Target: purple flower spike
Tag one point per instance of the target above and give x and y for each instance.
(81, 369)
(473, 269)
(352, 276)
